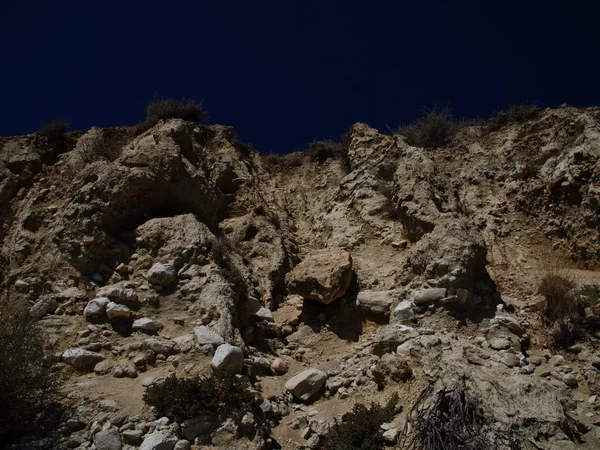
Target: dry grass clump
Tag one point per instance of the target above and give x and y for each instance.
(28, 386)
(169, 108)
(514, 114)
(360, 428)
(564, 312)
(452, 419)
(434, 130)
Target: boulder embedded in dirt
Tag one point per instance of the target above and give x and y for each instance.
(228, 357)
(205, 335)
(376, 302)
(81, 359)
(323, 276)
(148, 325)
(307, 383)
(426, 296)
(162, 274)
(42, 307)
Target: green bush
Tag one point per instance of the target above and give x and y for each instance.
(360, 428)
(434, 130)
(28, 387)
(215, 396)
(514, 114)
(171, 109)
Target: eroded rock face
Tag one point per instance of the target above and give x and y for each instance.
(323, 276)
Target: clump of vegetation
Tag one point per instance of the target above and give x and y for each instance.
(106, 145)
(564, 313)
(285, 161)
(360, 428)
(452, 419)
(171, 109)
(28, 387)
(54, 137)
(434, 130)
(321, 151)
(215, 396)
(514, 114)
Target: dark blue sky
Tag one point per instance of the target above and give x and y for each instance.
(287, 72)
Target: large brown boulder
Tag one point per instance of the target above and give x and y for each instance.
(323, 276)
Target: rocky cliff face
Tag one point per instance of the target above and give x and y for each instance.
(393, 257)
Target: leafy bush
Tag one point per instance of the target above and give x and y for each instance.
(514, 114)
(171, 109)
(359, 429)
(215, 396)
(452, 419)
(28, 388)
(432, 131)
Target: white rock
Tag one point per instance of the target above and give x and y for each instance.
(266, 314)
(403, 311)
(119, 294)
(228, 357)
(205, 335)
(96, 307)
(305, 384)
(279, 366)
(146, 324)
(499, 343)
(114, 311)
(163, 274)
(81, 359)
(159, 440)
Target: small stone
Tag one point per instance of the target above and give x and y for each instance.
(570, 380)
(22, 286)
(148, 325)
(108, 440)
(430, 295)
(115, 311)
(499, 344)
(159, 440)
(403, 311)
(103, 367)
(509, 360)
(265, 314)
(204, 335)
(182, 445)
(279, 366)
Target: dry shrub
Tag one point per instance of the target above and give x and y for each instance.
(514, 114)
(321, 151)
(286, 161)
(169, 108)
(28, 386)
(214, 396)
(563, 313)
(108, 145)
(54, 137)
(360, 428)
(434, 130)
(452, 419)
